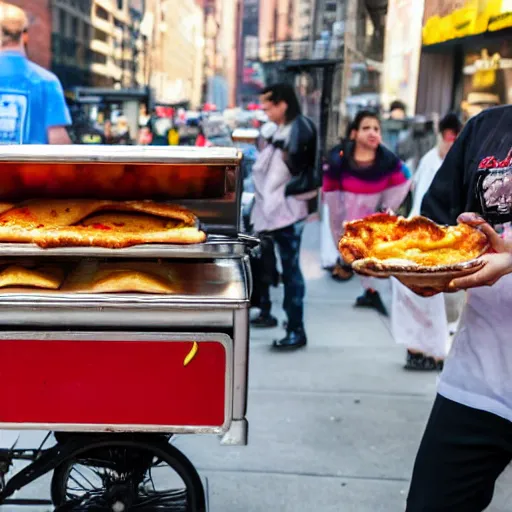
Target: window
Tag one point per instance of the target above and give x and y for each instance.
(70, 49)
(85, 6)
(74, 27)
(99, 58)
(101, 13)
(120, 4)
(62, 23)
(80, 55)
(86, 31)
(100, 35)
(56, 48)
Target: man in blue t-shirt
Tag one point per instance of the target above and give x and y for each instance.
(32, 105)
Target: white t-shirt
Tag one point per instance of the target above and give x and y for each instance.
(478, 370)
(423, 177)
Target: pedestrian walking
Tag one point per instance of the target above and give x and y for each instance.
(449, 129)
(122, 134)
(363, 177)
(32, 105)
(468, 439)
(285, 180)
(416, 358)
(108, 132)
(329, 253)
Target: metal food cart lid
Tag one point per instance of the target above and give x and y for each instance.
(121, 154)
(245, 133)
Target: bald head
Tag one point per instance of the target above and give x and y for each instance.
(13, 25)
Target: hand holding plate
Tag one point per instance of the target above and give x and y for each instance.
(497, 262)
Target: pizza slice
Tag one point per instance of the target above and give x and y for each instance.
(109, 224)
(418, 241)
(122, 277)
(42, 277)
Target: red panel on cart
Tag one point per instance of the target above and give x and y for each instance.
(113, 382)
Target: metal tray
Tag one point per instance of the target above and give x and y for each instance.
(216, 246)
(208, 294)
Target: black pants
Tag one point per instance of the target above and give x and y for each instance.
(288, 241)
(462, 453)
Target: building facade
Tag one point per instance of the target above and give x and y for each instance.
(325, 14)
(251, 80)
(221, 26)
(177, 51)
(304, 11)
(402, 53)
(39, 46)
(98, 42)
(466, 56)
(276, 25)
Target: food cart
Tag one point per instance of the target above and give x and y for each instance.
(245, 136)
(113, 376)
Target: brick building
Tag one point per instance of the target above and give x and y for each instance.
(39, 46)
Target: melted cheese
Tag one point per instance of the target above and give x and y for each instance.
(417, 240)
(412, 245)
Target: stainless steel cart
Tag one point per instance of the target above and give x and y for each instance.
(114, 376)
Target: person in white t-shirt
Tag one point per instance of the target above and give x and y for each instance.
(449, 129)
(468, 439)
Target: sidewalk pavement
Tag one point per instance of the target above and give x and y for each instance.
(333, 427)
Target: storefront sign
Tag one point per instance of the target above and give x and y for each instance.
(487, 73)
(472, 18)
(482, 68)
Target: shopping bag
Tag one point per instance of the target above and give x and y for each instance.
(419, 323)
(328, 251)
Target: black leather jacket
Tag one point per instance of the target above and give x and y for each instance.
(301, 157)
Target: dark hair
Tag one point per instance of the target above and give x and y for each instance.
(283, 92)
(450, 122)
(363, 114)
(350, 127)
(397, 105)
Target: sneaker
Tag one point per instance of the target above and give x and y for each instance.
(264, 321)
(292, 341)
(418, 361)
(371, 299)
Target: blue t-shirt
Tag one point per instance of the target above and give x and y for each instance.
(31, 101)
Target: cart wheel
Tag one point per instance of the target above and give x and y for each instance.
(124, 475)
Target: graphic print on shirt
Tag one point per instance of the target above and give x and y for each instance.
(494, 189)
(13, 117)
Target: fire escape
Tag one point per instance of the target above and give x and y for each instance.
(309, 64)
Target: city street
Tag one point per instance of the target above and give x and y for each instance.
(333, 427)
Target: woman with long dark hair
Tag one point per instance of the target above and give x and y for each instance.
(363, 177)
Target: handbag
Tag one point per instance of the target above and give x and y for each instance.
(263, 263)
